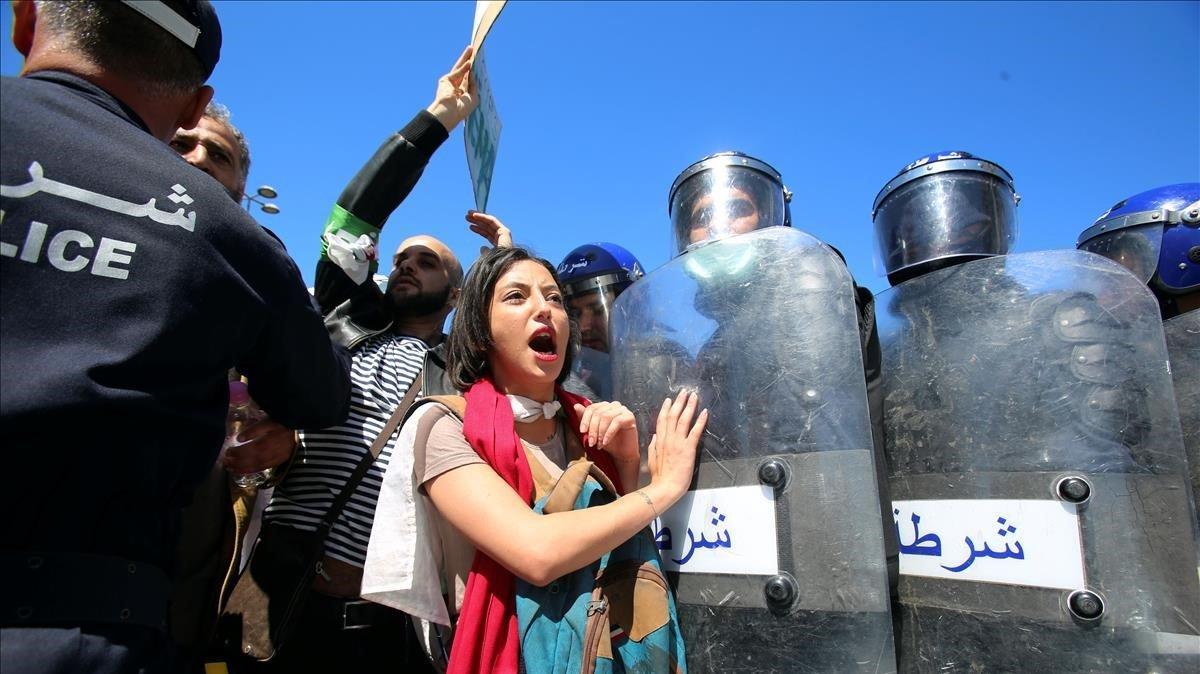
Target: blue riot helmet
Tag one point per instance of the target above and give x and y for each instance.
(1156, 235)
(592, 276)
(942, 209)
(725, 194)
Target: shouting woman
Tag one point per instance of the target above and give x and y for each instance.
(518, 510)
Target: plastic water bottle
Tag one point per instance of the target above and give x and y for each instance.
(242, 413)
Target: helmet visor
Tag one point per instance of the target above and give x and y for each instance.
(1135, 248)
(951, 214)
(724, 201)
(590, 305)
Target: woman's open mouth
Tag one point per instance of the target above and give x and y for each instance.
(543, 345)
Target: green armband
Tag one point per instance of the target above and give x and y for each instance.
(346, 226)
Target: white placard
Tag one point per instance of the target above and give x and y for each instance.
(1016, 542)
(482, 136)
(486, 13)
(726, 530)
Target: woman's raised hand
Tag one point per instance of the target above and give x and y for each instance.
(611, 427)
(672, 452)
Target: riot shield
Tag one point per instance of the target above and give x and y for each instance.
(1183, 346)
(1037, 471)
(776, 555)
(593, 368)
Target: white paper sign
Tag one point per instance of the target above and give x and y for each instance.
(482, 135)
(727, 530)
(1016, 542)
(486, 13)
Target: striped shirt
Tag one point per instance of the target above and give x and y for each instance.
(384, 368)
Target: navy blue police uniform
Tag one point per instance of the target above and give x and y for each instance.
(131, 283)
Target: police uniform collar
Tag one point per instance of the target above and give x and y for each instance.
(92, 92)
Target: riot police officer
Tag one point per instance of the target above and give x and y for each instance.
(966, 210)
(1156, 235)
(761, 318)
(593, 275)
(1035, 463)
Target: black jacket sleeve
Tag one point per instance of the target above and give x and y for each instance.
(372, 195)
(296, 374)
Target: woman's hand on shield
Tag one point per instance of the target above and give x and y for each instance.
(671, 458)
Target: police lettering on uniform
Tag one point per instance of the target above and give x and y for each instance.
(71, 250)
(1034, 454)
(132, 283)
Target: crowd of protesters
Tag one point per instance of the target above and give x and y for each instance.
(128, 534)
(404, 460)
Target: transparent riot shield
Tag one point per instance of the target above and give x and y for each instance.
(593, 367)
(1183, 346)
(777, 554)
(1037, 471)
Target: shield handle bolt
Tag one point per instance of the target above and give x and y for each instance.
(781, 593)
(1074, 489)
(773, 473)
(1085, 606)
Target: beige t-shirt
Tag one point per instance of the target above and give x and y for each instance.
(440, 447)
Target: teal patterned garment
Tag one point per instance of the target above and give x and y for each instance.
(615, 615)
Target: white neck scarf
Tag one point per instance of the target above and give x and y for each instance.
(527, 411)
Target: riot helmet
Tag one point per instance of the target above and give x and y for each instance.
(1156, 235)
(592, 276)
(725, 194)
(942, 209)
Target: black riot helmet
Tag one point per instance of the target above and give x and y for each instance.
(942, 209)
(725, 194)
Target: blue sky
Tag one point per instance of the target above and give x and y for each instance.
(604, 103)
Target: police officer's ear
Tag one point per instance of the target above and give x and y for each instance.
(24, 20)
(190, 115)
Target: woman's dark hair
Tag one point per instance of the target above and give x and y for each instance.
(471, 334)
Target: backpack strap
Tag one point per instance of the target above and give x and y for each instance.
(402, 411)
(542, 482)
(455, 403)
(566, 490)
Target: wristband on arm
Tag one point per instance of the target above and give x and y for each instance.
(350, 243)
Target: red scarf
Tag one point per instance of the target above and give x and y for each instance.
(486, 639)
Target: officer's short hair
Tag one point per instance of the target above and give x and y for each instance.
(220, 114)
(118, 39)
